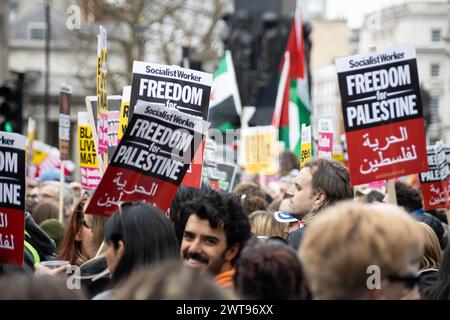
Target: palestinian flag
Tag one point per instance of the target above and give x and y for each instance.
(225, 103)
(292, 106)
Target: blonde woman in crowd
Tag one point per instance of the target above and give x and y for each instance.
(363, 251)
(264, 224)
(431, 260)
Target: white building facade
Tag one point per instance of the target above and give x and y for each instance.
(426, 25)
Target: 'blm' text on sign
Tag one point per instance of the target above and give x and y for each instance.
(89, 163)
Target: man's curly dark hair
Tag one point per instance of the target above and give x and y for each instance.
(408, 197)
(221, 210)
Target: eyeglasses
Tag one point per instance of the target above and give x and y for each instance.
(409, 281)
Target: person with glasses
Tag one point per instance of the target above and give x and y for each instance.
(139, 234)
(363, 251)
(215, 231)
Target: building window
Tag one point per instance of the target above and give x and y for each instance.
(434, 70)
(37, 31)
(434, 108)
(435, 35)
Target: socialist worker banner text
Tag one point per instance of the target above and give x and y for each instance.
(382, 111)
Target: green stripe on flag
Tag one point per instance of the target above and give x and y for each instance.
(221, 68)
(225, 126)
(283, 134)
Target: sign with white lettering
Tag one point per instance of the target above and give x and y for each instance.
(151, 160)
(102, 92)
(12, 198)
(179, 88)
(434, 183)
(64, 122)
(382, 111)
(325, 145)
(114, 106)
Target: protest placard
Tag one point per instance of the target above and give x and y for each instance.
(114, 107)
(221, 177)
(64, 122)
(447, 181)
(12, 198)
(31, 135)
(338, 151)
(151, 159)
(64, 138)
(434, 182)
(382, 111)
(306, 145)
(183, 89)
(124, 112)
(89, 162)
(218, 175)
(325, 145)
(259, 150)
(40, 152)
(102, 93)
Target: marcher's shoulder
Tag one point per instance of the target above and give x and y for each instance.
(295, 238)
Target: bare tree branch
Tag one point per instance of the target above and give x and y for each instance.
(162, 27)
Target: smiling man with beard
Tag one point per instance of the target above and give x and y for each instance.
(215, 230)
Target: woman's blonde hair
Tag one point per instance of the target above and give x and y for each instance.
(263, 223)
(345, 240)
(432, 255)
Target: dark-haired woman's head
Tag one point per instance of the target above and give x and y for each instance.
(270, 269)
(288, 162)
(137, 235)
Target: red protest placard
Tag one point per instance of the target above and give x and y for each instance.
(12, 198)
(386, 151)
(194, 174)
(151, 159)
(183, 89)
(382, 111)
(434, 183)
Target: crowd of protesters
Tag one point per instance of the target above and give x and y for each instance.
(306, 235)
